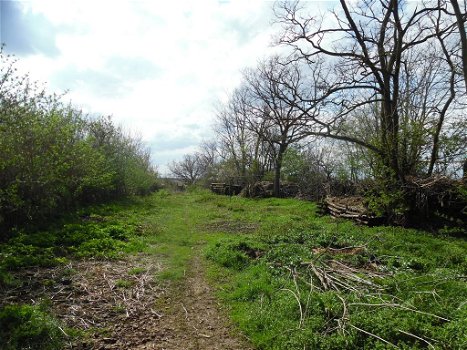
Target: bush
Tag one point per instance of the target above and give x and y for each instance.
(53, 158)
(28, 327)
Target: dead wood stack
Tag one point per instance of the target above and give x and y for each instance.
(350, 208)
(226, 189)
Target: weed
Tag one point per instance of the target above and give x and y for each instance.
(163, 193)
(28, 327)
(124, 283)
(171, 275)
(119, 232)
(100, 248)
(136, 271)
(119, 309)
(236, 253)
(7, 280)
(19, 255)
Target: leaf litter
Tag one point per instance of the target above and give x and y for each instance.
(121, 305)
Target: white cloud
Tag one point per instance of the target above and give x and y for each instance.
(197, 48)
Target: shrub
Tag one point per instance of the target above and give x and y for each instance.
(28, 327)
(53, 158)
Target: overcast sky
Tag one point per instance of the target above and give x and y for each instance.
(158, 67)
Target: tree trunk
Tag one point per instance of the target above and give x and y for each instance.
(277, 171)
(390, 142)
(463, 36)
(277, 179)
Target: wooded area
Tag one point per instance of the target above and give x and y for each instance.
(371, 91)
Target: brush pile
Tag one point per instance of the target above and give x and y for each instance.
(439, 195)
(265, 189)
(350, 208)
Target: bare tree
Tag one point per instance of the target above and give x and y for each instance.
(189, 169)
(454, 49)
(276, 115)
(233, 133)
(372, 54)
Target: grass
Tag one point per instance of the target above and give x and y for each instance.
(121, 283)
(416, 300)
(261, 254)
(28, 327)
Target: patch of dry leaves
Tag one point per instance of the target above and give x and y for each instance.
(120, 310)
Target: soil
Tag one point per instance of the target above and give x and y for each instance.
(196, 321)
(120, 305)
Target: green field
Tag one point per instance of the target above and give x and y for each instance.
(289, 278)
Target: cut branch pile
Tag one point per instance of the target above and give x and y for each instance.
(225, 189)
(350, 208)
(438, 194)
(348, 282)
(335, 275)
(265, 189)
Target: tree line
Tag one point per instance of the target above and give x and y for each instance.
(378, 87)
(53, 157)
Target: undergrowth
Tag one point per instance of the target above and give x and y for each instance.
(101, 232)
(291, 279)
(29, 327)
(92, 233)
(315, 283)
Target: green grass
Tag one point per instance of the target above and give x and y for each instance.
(258, 254)
(136, 271)
(28, 327)
(418, 297)
(121, 283)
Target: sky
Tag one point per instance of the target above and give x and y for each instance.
(158, 67)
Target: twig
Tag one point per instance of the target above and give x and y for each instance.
(84, 322)
(204, 335)
(342, 284)
(344, 317)
(373, 335)
(155, 313)
(308, 299)
(299, 305)
(417, 337)
(53, 296)
(403, 308)
(66, 335)
(319, 276)
(348, 248)
(186, 312)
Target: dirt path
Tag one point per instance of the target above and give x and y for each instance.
(124, 305)
(194, 319)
